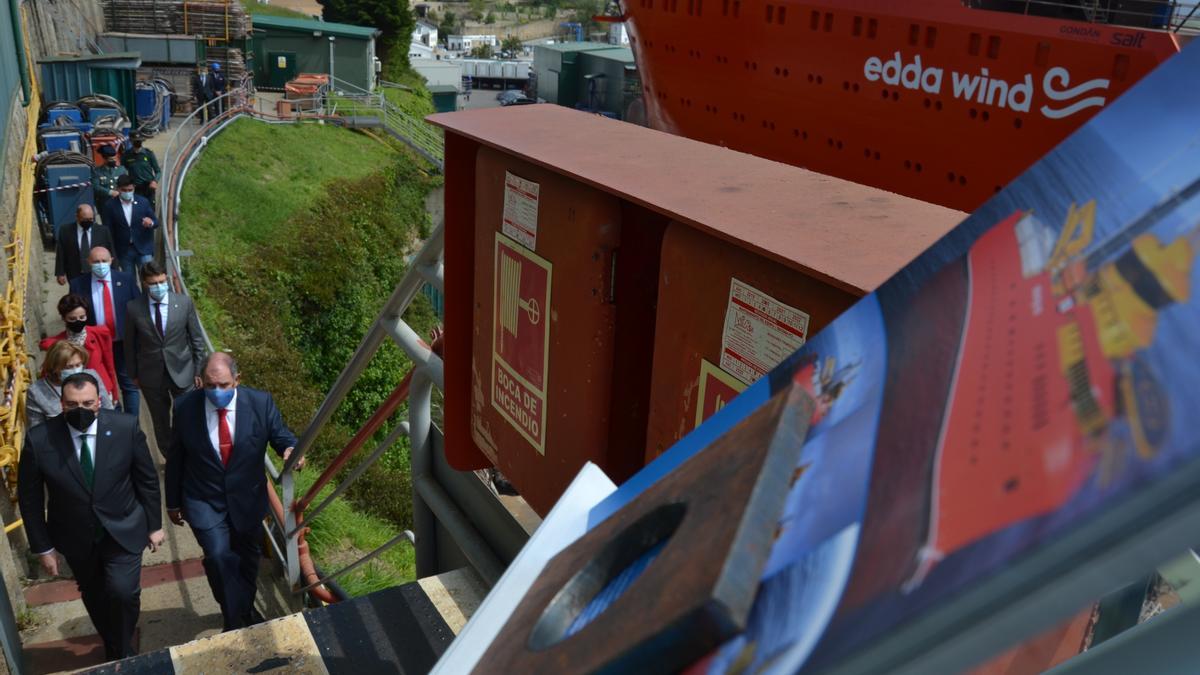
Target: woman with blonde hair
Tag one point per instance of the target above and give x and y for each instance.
(97, 340)
(44, 398)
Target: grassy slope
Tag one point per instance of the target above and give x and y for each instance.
(283, 220)
(255, 7)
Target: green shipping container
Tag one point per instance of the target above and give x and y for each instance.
(445, 97)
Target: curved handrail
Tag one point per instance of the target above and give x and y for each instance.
(177, 159)
(287, 515)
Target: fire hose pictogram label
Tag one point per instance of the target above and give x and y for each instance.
(520, 339)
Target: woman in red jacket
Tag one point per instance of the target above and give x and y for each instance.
(97, 340)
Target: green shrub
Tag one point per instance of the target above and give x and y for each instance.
(294, 260)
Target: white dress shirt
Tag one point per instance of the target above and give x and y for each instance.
(127, 207)
(165, 302)
(77, 437)
(210, 415)
(98, 301)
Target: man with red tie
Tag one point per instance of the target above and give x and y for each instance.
(216, 482)
(106, 292)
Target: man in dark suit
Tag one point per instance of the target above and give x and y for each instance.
(106, 293)
(218, 79)
(216, 482)
(103, 506)
(74, 241)
(130, 219)
(202, 89)
(163, 348)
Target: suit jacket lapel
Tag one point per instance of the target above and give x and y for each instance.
(241, 426)
(66, 445)
(102, 453)
(213, 453)
(173, 313)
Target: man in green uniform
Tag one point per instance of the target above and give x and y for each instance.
(104, 177)
(143, 168)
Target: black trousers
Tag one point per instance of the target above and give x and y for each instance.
(160, 400)
(231, 560)
(110, 581)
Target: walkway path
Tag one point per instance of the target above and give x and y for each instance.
(177, 605)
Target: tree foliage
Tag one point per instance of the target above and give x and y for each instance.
(512, 43)
(490, 18)
(393, 18)
(448, 25)
(483, 51)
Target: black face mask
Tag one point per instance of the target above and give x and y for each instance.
(76, 326)
(137, 147)
(110, 162)
(85, 224)
(80, 418)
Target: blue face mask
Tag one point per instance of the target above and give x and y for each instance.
(220, 398)
(100, 270)
(126, 196)
(67, 372)
(157, 291)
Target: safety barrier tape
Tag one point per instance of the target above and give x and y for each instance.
(72, 186)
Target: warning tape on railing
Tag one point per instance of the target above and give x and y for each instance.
(72, 186)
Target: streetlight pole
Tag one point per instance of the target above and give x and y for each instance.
(332, 39)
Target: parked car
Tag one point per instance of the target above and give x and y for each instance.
(509, 95)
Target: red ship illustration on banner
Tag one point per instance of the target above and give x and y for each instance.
(1006, 454)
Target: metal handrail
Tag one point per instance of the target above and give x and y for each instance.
(1178, 17)
(285, 525)
(416, 132)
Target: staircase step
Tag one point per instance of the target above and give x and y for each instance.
(173, 611)
(396, 630)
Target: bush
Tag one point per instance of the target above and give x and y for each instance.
(294, 261)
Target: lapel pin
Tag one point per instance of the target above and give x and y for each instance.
(107, 432)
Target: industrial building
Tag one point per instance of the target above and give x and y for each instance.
(285, 47)
(589, 76)
(465, 43)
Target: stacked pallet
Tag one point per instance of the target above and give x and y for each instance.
(226, 21)
(232, 60)
(213, 18)
(140, 16)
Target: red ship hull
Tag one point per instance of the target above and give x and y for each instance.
(929, 99)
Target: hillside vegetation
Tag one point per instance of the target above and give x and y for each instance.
(300, 233)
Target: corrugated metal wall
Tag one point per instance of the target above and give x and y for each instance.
(10, 79)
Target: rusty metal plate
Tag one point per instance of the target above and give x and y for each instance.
(848, 234)
(711, 521)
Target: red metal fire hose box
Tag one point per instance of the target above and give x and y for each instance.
(542, 352)
(608, 285)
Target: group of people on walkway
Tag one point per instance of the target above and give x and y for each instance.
(88, 487)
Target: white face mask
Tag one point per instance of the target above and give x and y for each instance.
(69, 371)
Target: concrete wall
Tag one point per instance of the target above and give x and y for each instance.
(63, 26)
(52, 28)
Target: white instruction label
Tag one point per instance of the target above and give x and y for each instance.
(760, 332)
(520, 210)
